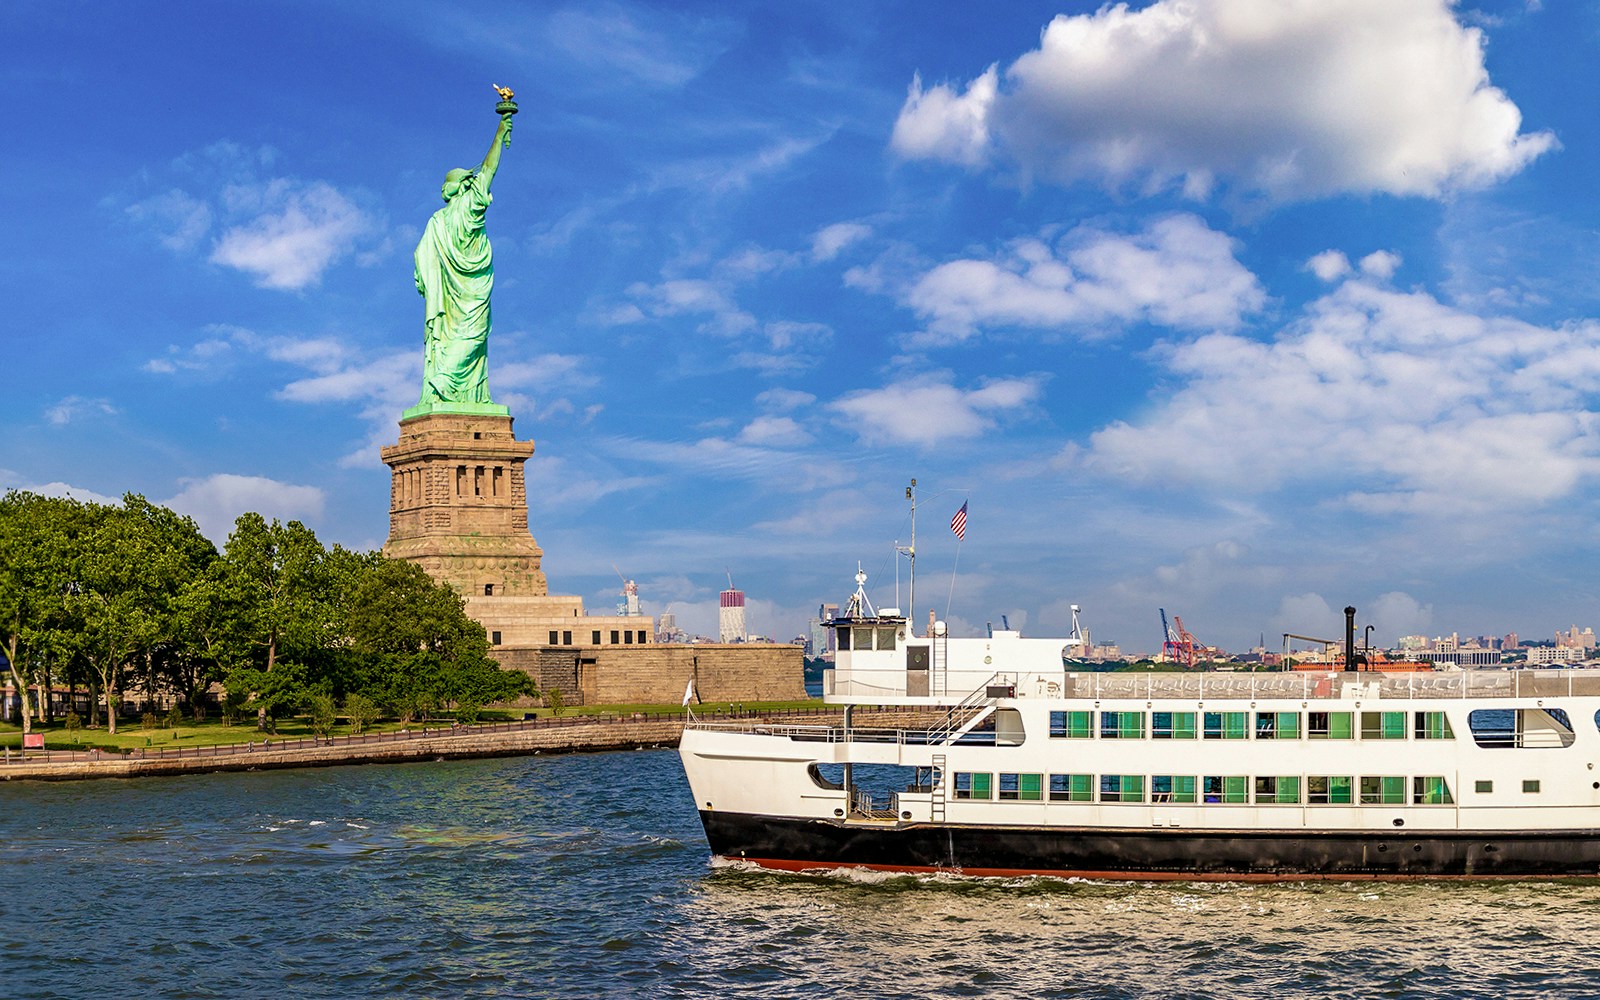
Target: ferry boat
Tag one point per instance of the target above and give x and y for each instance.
(1005, 762)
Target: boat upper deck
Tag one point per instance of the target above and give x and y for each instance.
(935, 687)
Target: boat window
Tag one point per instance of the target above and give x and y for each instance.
(1532, 728)
(1173, 725)
(1330, 725)
(832, 780)
(1069, 726)
(1122, 725)
(1383, 791)
(1329, 790)
(1530, 785)
(1433, 726)
(972, 785)
(1431, 791)
(864, 637)
(1277, 725)
(1225, 725)
(1122, 788)
(1008, 727)
(886, 637)
(1071, 787)
(843, 636)
(1226, 788)
(1483, 787)
(1020, 787)
(1172, 787)
(1383, 725)
(1280, 790)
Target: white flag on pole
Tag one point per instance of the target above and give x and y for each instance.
(688, 691)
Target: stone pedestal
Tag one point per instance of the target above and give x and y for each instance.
(458, 504)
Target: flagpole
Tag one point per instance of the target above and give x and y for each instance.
(958, 527)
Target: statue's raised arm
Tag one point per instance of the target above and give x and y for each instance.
(455, 274)
(491, 159)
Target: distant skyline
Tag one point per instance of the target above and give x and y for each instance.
(1245, 309)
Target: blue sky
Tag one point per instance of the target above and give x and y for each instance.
(1248, 309)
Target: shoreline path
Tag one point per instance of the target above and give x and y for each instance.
(577, 734)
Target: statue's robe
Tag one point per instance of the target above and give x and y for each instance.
(455, 274)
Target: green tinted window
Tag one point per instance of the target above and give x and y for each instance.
(1071, 788)
(1433, 726)
(1430, 791)
(1226, 725)
(1329, 790)
(1172, 788)
(1383, 791)
(1329, 725)
(1383, 725)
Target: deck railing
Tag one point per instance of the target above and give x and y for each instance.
(1201, 685)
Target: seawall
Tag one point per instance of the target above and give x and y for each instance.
(578, 734)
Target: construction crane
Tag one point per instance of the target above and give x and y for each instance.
(1177, 644)
(630, 595)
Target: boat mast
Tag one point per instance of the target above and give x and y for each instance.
(910, 610)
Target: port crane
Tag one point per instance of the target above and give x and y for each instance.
(1177, 643)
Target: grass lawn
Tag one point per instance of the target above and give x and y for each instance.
(132, 736)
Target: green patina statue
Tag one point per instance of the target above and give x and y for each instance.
(455, 274)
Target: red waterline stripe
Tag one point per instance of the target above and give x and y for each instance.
(777, 864)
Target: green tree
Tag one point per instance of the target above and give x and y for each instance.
(128, 570)
(323, 713)
(272, 587)
(363, 712)
(33, 578)
(429, 652)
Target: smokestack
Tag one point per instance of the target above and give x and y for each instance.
(1350, 638)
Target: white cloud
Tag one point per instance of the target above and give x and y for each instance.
(75, 408)
(927, 411)
(216, 502)
(1290, 99)
(1329, 265)
(1176, 272)
(942, 124)
(771, 346)
(1306, 614)
(1395, 614)
(300, 231)
(555, 483)
(179, 219)
(11, 481)
(785, 399)
(713, 456)
(391, 378)
(1383, 401)
(830, 241)
(542, 371)
(1380, 264)
(775, 432)
(661, 49)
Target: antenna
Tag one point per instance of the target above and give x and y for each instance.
(730, 578)
(911, 556)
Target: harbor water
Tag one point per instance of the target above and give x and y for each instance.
(587, 876)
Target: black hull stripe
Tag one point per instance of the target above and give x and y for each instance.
(790, 844)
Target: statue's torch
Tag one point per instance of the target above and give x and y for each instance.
(506, 108)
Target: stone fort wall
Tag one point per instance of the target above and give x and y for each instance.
(657, 674)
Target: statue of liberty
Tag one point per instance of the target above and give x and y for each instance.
(455, 274)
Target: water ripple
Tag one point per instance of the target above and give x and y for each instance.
(586, 876)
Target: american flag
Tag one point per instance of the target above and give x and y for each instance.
(958, 524)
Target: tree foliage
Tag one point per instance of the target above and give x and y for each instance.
(133, 596)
